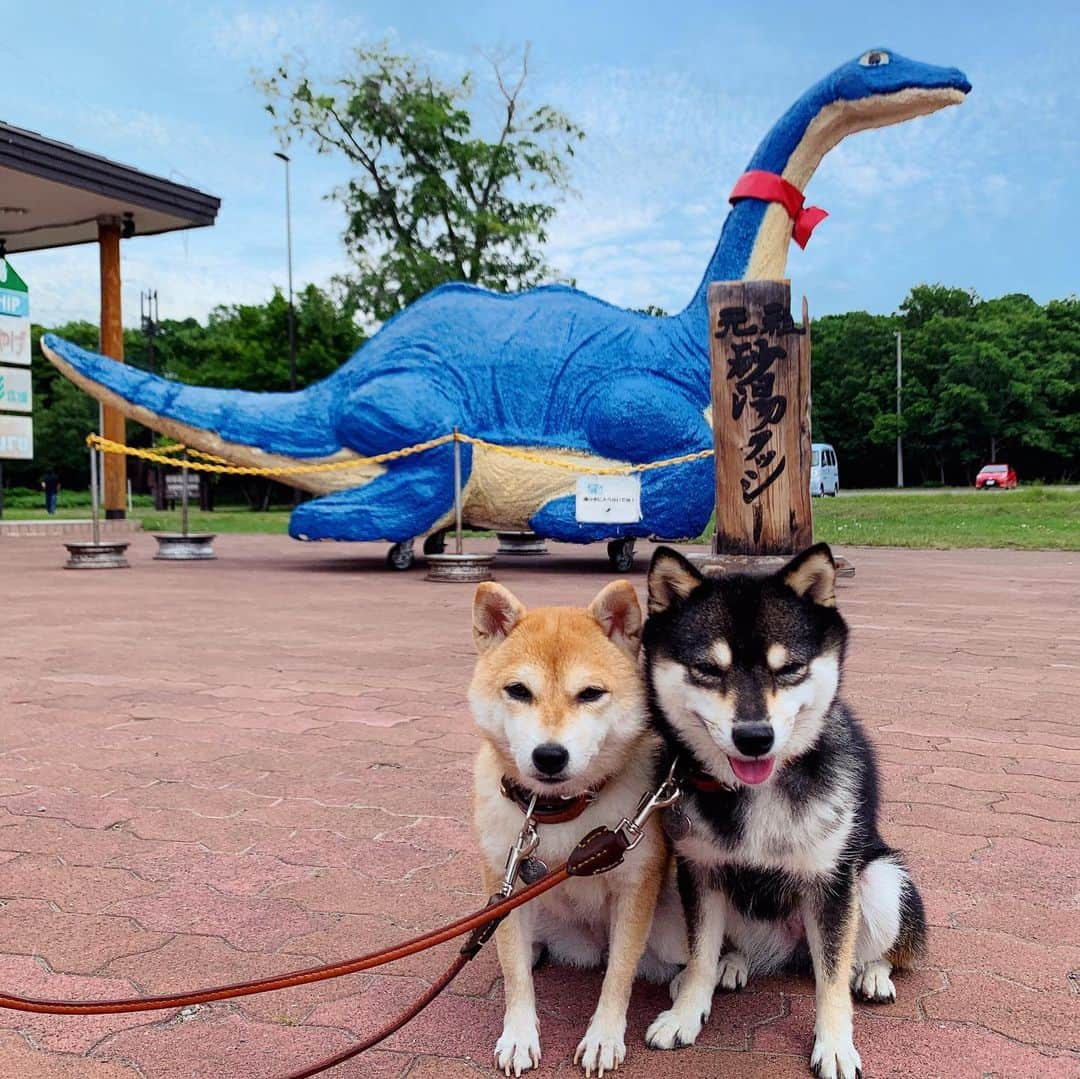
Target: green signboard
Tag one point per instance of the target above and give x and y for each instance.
(16, 432)
(15, 395)
(14, 317)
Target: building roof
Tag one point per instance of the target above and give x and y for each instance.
(52, 195)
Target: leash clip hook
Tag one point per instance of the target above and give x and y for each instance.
(667, 794)
(527, 841)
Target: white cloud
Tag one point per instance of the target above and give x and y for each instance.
(652, 176)
(126, 126)
(262, 36)
(664, 144)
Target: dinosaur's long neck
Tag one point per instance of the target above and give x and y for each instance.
(755, 238)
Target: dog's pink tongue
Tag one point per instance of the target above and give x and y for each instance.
(756, 771)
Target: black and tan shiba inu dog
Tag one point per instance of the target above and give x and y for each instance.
(782, 853)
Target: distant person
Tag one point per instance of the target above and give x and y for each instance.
(51, 486)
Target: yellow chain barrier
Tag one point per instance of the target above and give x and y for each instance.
(179, 447)
(584, 469)
(208, 462)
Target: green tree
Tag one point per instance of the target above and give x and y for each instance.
(923, 302)
(431, 201)
(244, 346)
(983, 379)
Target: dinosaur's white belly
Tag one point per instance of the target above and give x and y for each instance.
(505, 491)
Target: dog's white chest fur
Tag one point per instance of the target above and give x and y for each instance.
(804, 840)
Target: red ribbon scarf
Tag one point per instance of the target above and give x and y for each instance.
(770, 187)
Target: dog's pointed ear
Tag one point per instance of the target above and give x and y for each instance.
(671, 579)
(496, 610)
(812, 575)
(618, 610)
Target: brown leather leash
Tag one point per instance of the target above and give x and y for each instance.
(478, 919)
(599, 851)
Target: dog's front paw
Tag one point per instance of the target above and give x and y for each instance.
(732, 971)
(676, 1028)
(602, 1049)
(518, 1047)
(873, 984)
(835, 1058)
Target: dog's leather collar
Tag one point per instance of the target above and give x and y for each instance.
(555, 810)
(704, 783)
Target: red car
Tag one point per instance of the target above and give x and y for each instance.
(996, 476)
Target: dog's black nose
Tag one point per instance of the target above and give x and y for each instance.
(753, 739)
(550, 758)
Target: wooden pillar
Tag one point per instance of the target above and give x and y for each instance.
(112, 344)
(761, 419)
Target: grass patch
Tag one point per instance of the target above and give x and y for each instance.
(1032, 518)
(228, 519)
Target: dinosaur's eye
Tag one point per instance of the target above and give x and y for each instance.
(874, 58)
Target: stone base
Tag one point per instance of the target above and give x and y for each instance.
(105, 555)
(725, 565)
(521, 543)
(459, 568)
(177, 547)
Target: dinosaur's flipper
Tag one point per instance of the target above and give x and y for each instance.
(675, 503)
(405, 502)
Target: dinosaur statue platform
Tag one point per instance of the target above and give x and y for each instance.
(554, 371)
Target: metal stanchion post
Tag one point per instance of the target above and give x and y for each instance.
(184, 498)
(96, 554)
(459, 566)
(457, 493)
(185, 545)
(94, 495)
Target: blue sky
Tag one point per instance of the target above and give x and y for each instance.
(673, 97)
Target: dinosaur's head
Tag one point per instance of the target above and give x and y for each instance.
(875, 89)
(882, 87)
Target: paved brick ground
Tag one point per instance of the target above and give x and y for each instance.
(211, 772)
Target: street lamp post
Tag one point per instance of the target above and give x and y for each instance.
(288, 240)
(899, 440)
(292, 310)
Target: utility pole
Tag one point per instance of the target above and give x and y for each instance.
(899, 440)
(148, 320)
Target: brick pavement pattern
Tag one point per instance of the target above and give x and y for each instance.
(218, 771)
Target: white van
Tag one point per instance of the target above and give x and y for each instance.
(824, 475)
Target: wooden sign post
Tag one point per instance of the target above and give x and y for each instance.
(761, 419)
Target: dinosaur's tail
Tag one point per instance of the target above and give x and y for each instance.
(260, 429)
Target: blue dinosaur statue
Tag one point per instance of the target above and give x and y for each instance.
(553, 370)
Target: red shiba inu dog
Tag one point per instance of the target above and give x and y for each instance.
(561, 708)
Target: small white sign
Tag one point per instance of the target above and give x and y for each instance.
(16, 438)
(174, 485)
(15, 340)
(608, 499)
(15, 392)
